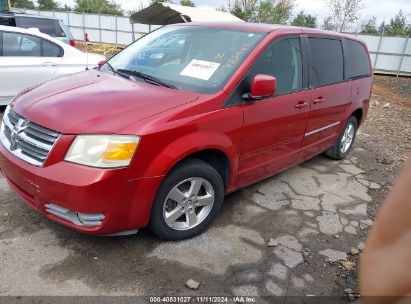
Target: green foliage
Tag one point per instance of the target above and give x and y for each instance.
(328, 24)
(304, 20)
(244, 10)
(98, 7)
(398, 25)
(160, 1)
(370, 27)
(47, 5)
(264, 11)
(187, 3)
(23, 4)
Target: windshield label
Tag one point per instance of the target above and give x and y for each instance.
(200, 69)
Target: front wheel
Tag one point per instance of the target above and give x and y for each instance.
(345, 140)
(187, 201)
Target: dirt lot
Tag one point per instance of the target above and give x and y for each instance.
(298, 233)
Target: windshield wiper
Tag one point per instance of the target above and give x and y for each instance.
(110, 67)
(147, 78)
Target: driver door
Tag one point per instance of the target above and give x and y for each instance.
(274, 127)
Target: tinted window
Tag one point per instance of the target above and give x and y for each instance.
(356, 58)
(283, 61)
(7, 21)
(51, 50)
(47, 26)
(16, 44)
(327, 62)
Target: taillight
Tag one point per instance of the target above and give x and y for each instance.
(73, 42)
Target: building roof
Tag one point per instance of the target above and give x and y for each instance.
(166, 13)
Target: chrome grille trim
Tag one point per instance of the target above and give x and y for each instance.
(25, 139)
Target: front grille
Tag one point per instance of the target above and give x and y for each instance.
(25, 139)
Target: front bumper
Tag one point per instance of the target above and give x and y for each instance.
(125, 204)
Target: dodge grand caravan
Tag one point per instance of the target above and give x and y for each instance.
(157, 138)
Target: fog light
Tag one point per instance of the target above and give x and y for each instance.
(77, 218)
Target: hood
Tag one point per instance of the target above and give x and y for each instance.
(94, 102)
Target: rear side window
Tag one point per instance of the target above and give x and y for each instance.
(357, 63)
(7, 21)
(51, 50)
(46, 26)
(16, 44)
(327, 61)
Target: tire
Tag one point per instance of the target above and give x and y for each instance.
(175, 214)
(339, 150)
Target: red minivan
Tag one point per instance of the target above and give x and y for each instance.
(162, 131)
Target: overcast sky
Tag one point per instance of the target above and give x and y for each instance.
(382, 9)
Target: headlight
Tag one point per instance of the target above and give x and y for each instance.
(103, 151)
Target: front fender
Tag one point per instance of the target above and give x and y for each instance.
(189, 144)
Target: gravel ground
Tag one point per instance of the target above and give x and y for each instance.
(298, 233)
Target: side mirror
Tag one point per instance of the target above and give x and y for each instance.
(262, 86)
(101, 63)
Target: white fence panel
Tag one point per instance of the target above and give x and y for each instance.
(390, 55)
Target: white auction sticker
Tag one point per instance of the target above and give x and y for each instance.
(200, 69)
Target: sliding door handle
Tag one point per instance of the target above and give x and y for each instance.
(302, 104)
(319, 100)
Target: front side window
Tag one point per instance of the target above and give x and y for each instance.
(193, 58)
(16, 44)
(283, 60)
(327, 61)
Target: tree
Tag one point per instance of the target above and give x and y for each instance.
(370, 27)
(264, 11)
(398, 25)
(244, 9)
(98, 7)
(327, 24)
(23, 4)
(187, 3)
(160, 1)
(47, 5)
(305, 20)
(343, 13)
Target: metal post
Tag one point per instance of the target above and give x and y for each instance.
(133, 34)
(84, 28)
(402, 55)
(116, 30)
(378, 50)
(99, 25)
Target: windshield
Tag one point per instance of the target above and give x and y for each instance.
(193, 58)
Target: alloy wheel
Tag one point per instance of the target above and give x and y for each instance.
(188, 203)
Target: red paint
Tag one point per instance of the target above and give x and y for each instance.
(263, 85)
(259, 138)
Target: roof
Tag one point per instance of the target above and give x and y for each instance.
(166, 13)
(15, 14)
(267, 28)
(31, 31)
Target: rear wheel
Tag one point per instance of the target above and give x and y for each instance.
(345, 140)
(187, 201)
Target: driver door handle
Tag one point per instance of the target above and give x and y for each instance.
(318, 100)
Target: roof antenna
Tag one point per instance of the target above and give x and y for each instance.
(86, 48)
